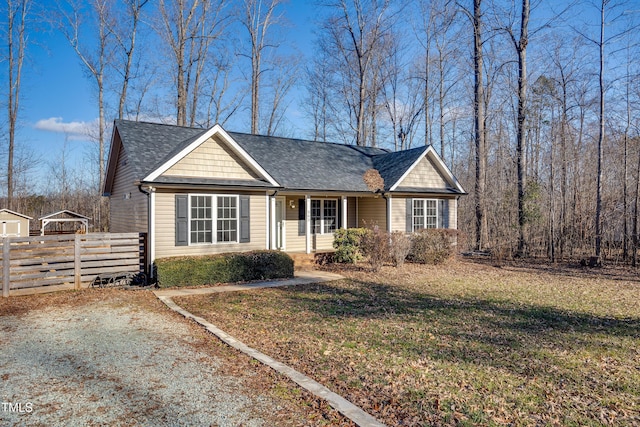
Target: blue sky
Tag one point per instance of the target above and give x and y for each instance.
(58, 99)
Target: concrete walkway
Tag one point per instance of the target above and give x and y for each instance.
(301, 278)
(342, 405)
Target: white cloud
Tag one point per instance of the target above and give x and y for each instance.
(78, 131)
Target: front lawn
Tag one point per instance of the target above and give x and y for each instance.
(464, 343)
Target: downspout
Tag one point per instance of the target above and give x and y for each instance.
(387, 198)
(272, 220)
(150, 241)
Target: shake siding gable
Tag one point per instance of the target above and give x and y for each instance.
(128, 208)
(424, 175)
(212, 159)
(166, 228)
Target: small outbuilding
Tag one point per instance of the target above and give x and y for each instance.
(14, 224)
(64, 222)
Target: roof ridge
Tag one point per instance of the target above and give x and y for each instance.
(311, 141)
(159, 124)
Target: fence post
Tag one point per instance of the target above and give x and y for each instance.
(6, 265)
(76, 262)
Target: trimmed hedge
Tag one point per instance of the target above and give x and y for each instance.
(223, 268)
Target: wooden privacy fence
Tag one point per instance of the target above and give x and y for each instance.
(48, 263)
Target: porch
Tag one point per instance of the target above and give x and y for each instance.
(305, 224)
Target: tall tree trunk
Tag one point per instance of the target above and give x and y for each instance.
(479, 124)
(257, 22)
(598, 219)
(16, 22)
(521, 47)
(135, 7)
(634, 240)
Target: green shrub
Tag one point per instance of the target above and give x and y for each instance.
(347, 243)
(223, 268)
(432, 245)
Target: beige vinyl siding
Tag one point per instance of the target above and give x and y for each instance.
(212, 159)
(372, 211)
(323, 242)
(13, 223)
(453, 214)
(165, 228)
(399, 214)
(128, 206)
(352, 212)
(424, 175)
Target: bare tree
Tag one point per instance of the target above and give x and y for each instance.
(520, 45)
(258, 17)
(95, 58)
(354, 35)
(279, 87)
(222, 105)
(189, 27)
(609, 12)
(402, 99)
(476, 18)
(126, 41)
(17, 11)
(319, 91)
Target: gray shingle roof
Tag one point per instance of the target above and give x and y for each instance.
(294, 163)
(148, 144)
(308, 165)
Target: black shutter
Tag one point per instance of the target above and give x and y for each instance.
(245, 229)
(409, 215)
(443, 213)
(339, 213)
(182, 220)
(301, 215)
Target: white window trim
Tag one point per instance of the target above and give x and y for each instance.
(322, 217)
(424, 217)
(214, 219)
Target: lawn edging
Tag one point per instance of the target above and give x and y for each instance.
(342, 405)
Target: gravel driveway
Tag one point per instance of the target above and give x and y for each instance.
(117, 363)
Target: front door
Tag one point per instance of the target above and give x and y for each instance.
(280, 205)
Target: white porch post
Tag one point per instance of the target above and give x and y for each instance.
(267, 227)
(344, 212)
(307, 222)
(389, 213)
(272, 221)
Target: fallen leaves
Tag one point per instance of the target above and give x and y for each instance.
(465, 344)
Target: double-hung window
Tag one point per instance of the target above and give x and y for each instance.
(227, 225)
(425, 214)
(324, 216)
(330, 216)
(201, 219)
(213, 219)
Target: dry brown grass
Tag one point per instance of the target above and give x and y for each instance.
(463, 343)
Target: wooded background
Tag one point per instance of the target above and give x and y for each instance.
(534, 106)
